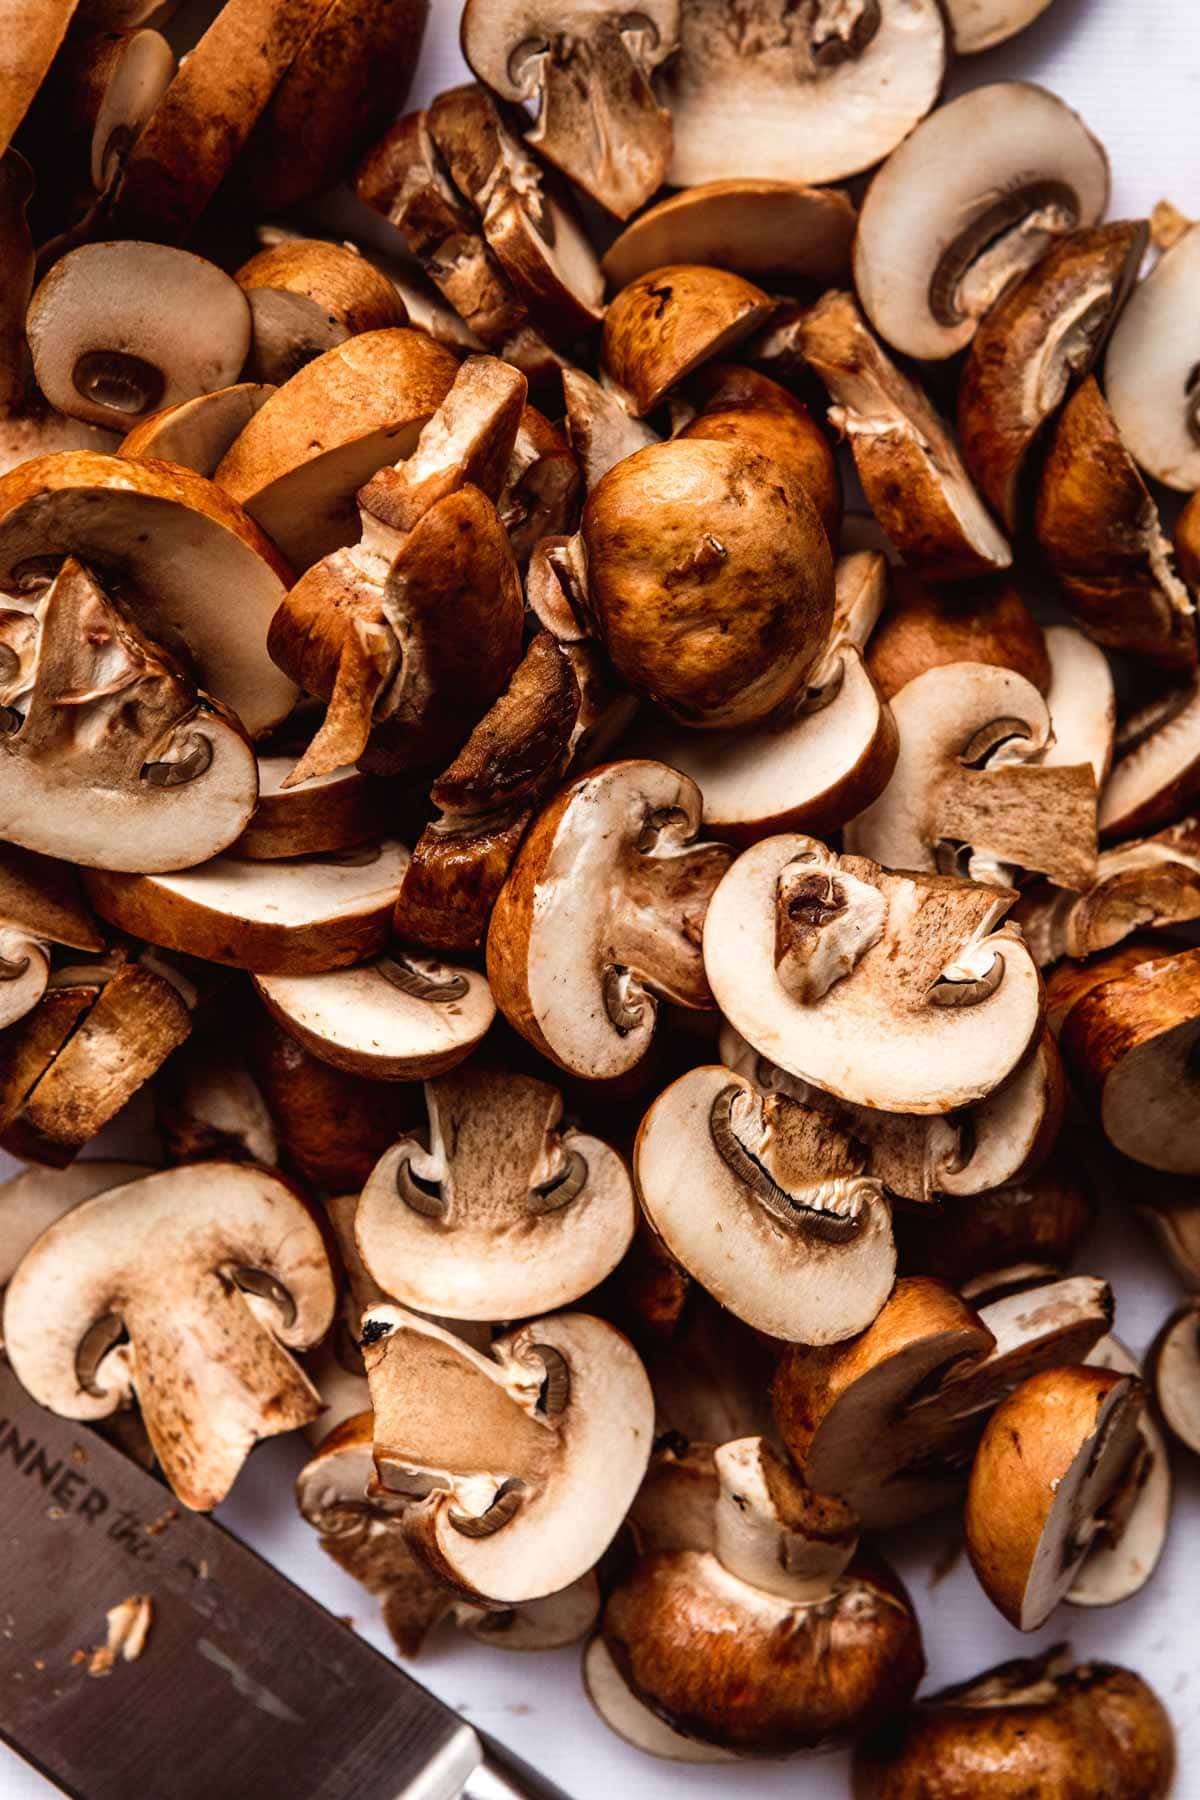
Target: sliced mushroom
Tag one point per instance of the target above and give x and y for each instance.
(1133, 1529)
(542, 485)
(969, 787)
(1175, 1370)
(1051, 1458)
(40, 906)
(918, 1000)
(1035, 343)
(1100, 532)
(305, 297)
(904, 451)
(1036, 1222)
(519, 1466)
(145, 1293)
(403, 1017)
(332, 812)
(197, 433)
(207, 1104)
(297, 917)
(601, 917)
(665, 324)
(1157, 773)
(1090, 1728)
(925, 625)
(36, 1198)
(1009, 169)
(770, 231)
(1151, 884)
(1149, 372)
(600, 425)
(1082, 702)
(503, 1215)
(805, 95)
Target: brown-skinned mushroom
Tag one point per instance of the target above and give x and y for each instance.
(1100, 532)
(905, 454)
(1013, 169)
(900, 992)
(587, 73)
(305, 297)
(34, 31)
(662, 326)
(770, 231)
(1038, 340)
(1156, 776)
(208, 1106)
(1076, 1730)
(542, 485)
(601, 917)
(924, 625)
(518, 1466)
(40, 907)
(1175, 1373)
(197, 433)
(184, 1290)
(806, 96)
(1051, 1460)
(601, 428)
(1035, 1222)
(494, 1213)
(332, 812)
(1150, 884)
(970, 789)
(1126, 1549)
(982, 24)
(1149, 372)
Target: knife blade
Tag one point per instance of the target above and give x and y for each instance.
(246, 1687)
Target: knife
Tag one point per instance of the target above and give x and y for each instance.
(245, 1689)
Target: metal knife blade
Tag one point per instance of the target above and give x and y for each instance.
(246, 1687)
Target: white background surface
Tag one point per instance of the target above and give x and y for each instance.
(1132, 68)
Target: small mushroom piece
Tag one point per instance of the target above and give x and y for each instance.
(977, 25)
(518, 1466)
(37, 1198)
(1175, 1372)
(1130, 1046)
(587, 72)
(923, 1003)
(34, 30)
(769, 231)
(1039, 339)
(601, 917)
(924, 626)
(781, 1222)
(299, 917)
(1082, 701)
(1087, 1728)
(207, 1104)
(1051, 1458)
(185, 1291)
(1133, 1530)
(666, 323)
(197, 433)
(905, 454)
(305, 297)
(813, 95)
(1100, 532)
(1011, 169)
(1157, 773)
(502, 1214)
(1150, 884)
(542, 485)
(332, 812)
(402, 1017)
(600, 426)
(969, 774)
(1038, 1221)
(40, 906)
(1149, 372)
(710, 582)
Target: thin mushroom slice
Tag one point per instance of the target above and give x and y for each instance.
(601, 916)
(1150, 884)
(665, 324)
(811, 95)
(982, 24)
(296, 917)
(768, 231)
(332, 812)
(1175, 1372)
(1133, 1529)
(40, 907)
(1082, 701)
(1150, 369)
(37, 1198)
(601, 428)
(633, 1720)
(504, 1214)
(1051, 1458)
(306, 296)
(153, 1271)
(904, 451)
(403, 1017)
(519, 1465)
(109, 755)
(1035, 343)
(969, 774)
(780, 1222)
(196, 433)
(897, 992)
(1011, 169)
(1156, 776)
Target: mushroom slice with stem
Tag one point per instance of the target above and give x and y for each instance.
(1087, 1728)
(1175, 1372)
(40, 907)
(300, 916)
(1150, 884)
(770, 231)
(925, 625)
(970, 790)
(1013, 169)
(600, 426)
(185, 1291)
(601, 916)
(305, 297)
(899, 992)
(36, 1198)
(809, 94)
(332, 812)
(197, 433)
(1100, 532)
(502, 1215)
(110, 755)
(1157, 773)
(587, 72)
(1035, 343)
(1126, 1550)
(904, 451)
(171, 545)
(118, 331)
(402, 1017)
(1052, 1457)
(1150, 369)
(666, 323)
(519, 1466)
(781, 1223)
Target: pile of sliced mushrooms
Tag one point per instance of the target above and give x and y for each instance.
(644, 973)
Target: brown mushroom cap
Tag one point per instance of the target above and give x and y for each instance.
(1148, 885)
(980, 622)
(766, 230)
(981, 24)
(307, 296)
(739, 406)
(1148, 372)
(197, 433)
(664, 324)
(185, 1289)
(1038, 1220)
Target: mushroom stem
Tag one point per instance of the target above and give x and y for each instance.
(773, 1532)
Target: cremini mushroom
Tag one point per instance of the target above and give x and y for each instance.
(196, 433)
(1175, 1372)
(600, 425)
(925, 624)
(1125, 1551)
(185, 1291)
(35, 29)
(663, 325)
(40, 907)
(1082, 699)
(1156, 776)
(1149, 372)
(542, 485)
(966, 205)
(332, 812)
(1037, 1221)
(1148, 884)
(982, 24)
(775, 232)
(306, 296)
